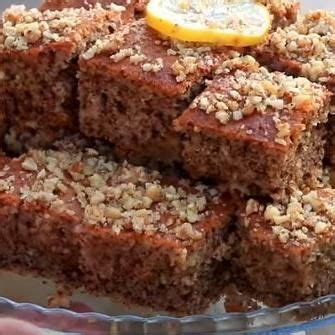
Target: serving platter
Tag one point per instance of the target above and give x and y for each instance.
(27, 298)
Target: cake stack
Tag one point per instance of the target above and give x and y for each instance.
(159, 171)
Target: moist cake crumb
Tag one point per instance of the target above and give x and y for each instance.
(135, 82)
(285, 248)
(114, 228)
(39, 54)
(263, 130)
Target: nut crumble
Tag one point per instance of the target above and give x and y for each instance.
(191, 57)
(258, 92)
(23, 28)
(120, 196)
(305, 217)
(310, 42)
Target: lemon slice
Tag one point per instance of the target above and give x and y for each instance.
(237, 23)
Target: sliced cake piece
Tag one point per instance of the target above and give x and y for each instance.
(130, 7)
(258, 130)
(77, 216)
(307, 49)
(287, 251)
(133, 84)
(38, 67)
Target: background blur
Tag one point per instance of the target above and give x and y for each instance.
(330, 4)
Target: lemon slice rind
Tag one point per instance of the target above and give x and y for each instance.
(221, 29)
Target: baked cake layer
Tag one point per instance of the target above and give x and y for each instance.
(257, 130)
(130, 7)
(287, 251)
(134, 83)
(38, 65)
(306, 49)
(79, 217)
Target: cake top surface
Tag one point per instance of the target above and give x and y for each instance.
(248, 97)
(61, 4)
(83, 183)
(311, 42)
(306, 218)
(23, 29)
(143, 51)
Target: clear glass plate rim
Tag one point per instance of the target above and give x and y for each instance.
(187, 319)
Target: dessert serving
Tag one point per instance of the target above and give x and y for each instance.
(162, 152)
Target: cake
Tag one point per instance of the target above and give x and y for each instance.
(130, 8)
(260, 131)
(38, 65)
(306, 48)
(75, 215)
(286, 250)
(134, 83)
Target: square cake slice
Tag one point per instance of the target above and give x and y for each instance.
(134, 83)
(38, 66)
(79, 217)
(306, 49)
(258, 130)
(130, 7)
(287, 251)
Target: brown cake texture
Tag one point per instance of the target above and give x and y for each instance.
(306, 49)
(258, 130)
(38, 67)
(131, 7)
(134, 83)
(79, 217)
(287, 251)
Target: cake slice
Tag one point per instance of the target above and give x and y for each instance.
(287, 251)
(130, 7)
(306, 49)
(134, 83)
(79, 217)
(257, 130)
(38, 68)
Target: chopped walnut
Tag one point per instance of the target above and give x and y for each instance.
(23, 28)
(245, 88)
(305, 217)
(120, 196)
(310, 42)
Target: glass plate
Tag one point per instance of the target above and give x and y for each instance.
(297, 319)
(307, 318)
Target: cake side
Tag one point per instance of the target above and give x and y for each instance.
(79, 217)
(134, 83)
(260, 131)
(285, 251)
(306, 48)
(127, 8)
(38, 62)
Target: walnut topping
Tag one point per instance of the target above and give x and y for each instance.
(121, 196)
(23, 28)
(242, 92)
(311, 42)
(7, 184)
(303, 218)
(29, 164)
(137, 43)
